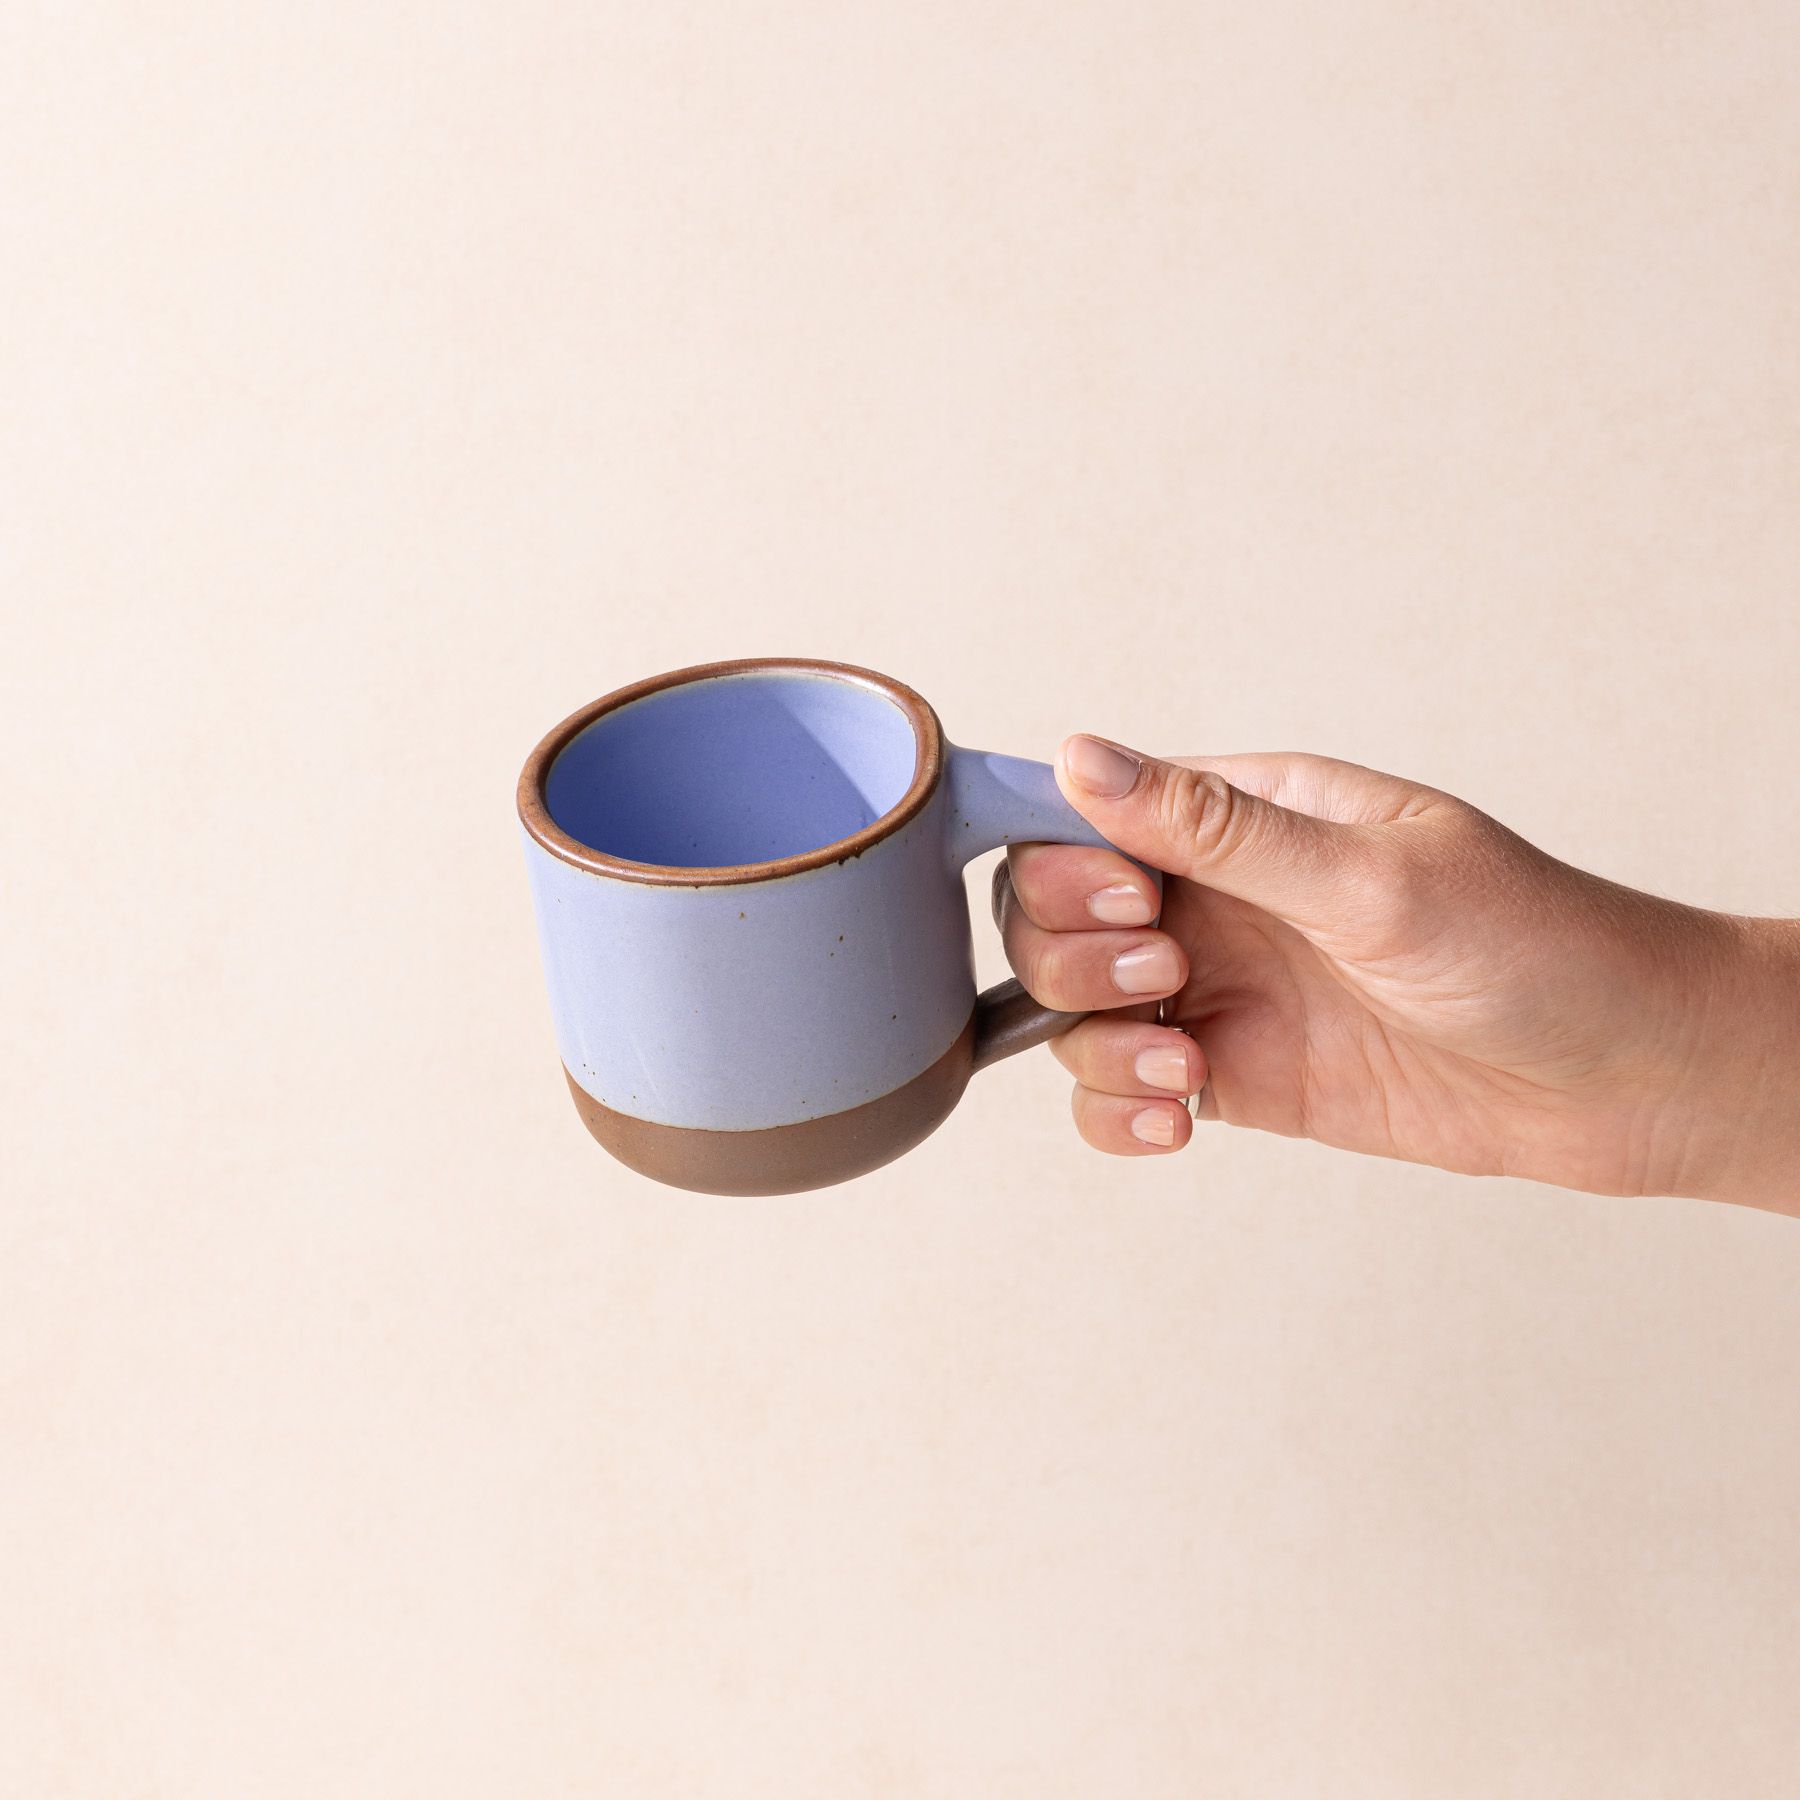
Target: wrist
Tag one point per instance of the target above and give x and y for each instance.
(1738, 1105)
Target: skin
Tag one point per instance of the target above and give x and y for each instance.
(1363, 960)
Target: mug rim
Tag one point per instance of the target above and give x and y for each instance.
(534, 810)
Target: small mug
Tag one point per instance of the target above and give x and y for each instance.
(747, 880)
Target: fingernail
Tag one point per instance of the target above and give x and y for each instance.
(1151, 970)
(1154, 1125)
(1121, 905)
(1102, 769)
(1163, 1066)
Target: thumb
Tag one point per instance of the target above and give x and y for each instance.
(1194, 823)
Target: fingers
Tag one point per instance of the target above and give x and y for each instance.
(1059, 911)
(1132, 1082)
(1064, 888)
(1084, 970)
(1131, 1057)
(1196, 823)
(1125, 1127)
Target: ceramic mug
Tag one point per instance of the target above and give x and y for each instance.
(747, 879)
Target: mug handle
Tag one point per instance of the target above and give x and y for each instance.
(996, 800)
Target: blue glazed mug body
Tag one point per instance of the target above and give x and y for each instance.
(747, 881)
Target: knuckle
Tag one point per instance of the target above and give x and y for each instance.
(1201, 809)
(1053, 974)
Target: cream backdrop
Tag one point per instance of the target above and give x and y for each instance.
(1414, 384)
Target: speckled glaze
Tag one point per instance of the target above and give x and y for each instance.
(761, 1026)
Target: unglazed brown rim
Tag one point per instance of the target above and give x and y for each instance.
(534, 814)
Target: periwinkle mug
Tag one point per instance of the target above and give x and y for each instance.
(747, 879)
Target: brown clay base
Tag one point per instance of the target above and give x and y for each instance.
(787, 1159)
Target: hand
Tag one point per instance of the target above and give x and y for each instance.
(1351, 957)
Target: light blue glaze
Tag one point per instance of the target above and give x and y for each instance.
(1007, 800)
(743, 1005)
(740, 768)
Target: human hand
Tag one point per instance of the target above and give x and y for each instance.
(1351, 957)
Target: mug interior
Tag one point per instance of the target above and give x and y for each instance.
(734, 769)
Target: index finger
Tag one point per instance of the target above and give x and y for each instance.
(1073, 887)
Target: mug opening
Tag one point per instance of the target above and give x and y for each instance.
(732, 772)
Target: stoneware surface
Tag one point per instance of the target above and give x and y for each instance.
(747, 883)
(382, 384)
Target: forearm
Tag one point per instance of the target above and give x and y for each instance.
(1739, 1104)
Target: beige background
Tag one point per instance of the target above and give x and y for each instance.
(1414, 384)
